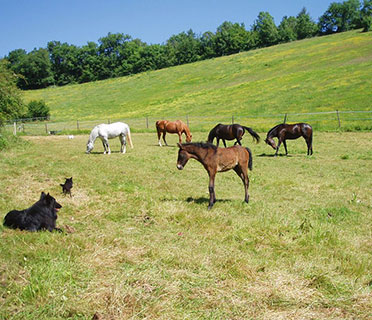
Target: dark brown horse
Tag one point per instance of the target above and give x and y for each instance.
(164, 126)
(230, 132)
(289, 132)
(217, 160)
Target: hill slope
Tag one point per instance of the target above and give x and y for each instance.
(319, 74)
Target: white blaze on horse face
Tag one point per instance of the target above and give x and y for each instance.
(179, 167)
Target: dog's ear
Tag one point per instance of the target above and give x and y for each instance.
(42, 196)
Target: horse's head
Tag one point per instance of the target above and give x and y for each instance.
(188, 138)
(271, 142)
(183, 157)
(90, 146)
(211, 136)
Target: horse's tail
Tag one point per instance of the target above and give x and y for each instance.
(253, 134)
(250, 160)
(129, 138)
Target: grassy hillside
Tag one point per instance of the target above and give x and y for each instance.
(319, 74)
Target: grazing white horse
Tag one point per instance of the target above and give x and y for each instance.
(109, 131)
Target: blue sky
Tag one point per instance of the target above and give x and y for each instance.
(29, 24)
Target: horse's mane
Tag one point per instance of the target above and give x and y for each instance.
(274, 129)
(204, 145)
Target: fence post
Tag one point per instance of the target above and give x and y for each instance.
(285, 118)
(338, 119)
(232, 119)
(147, 122)
(15, 129)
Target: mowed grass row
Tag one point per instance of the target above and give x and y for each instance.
(320, 74)
(145, 246)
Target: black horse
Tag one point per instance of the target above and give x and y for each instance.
(290, 131)
(230, 132)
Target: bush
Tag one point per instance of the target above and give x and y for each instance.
(38, 109)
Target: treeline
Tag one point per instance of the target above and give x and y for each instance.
(117, 55)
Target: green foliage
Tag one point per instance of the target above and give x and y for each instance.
(366, 16)
(266, 30)
(340, 17)
(37, 109)
(11, 105)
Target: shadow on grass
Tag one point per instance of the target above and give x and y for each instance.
(101, 152)
(201, 200)
(272, 155)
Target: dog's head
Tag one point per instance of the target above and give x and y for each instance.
(68, 181)
(50, 202)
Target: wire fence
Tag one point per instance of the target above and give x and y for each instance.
(324, 121)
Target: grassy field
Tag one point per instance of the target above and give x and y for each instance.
(319, 74)
(144, 246)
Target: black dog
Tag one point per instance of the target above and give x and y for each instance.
(67, 186)
(42, 215)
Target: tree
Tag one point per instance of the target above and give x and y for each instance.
(65, 62)
(183, 48)
(340, 17)
(231, 38)
(266, 30)
(287, 29)
(36, 71)
(366, 15)
(37, 109)
(11, 105)
(305, 26)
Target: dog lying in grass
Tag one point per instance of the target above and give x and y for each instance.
(42, 215)
(67, 186)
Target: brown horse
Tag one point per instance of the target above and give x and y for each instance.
(164, 126)
(230, 132)
(290, 131)
(217, 160)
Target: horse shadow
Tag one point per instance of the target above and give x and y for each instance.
(202, 200)
(272, 155)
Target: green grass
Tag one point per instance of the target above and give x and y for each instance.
(145, 245)
(313, 75)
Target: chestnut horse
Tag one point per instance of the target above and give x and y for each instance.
(289, 132)
(164, 126)
(230, 132)
(215, 160)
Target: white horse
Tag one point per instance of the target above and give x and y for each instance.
(109, 131)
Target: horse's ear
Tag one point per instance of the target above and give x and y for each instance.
(179, 145)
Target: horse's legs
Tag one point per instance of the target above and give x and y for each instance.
(242, 172)
(224, 142)
(277, 147)
(285, 147)
(180, 137)
(159, 135)
(237, 141)
(309, 144)
(106, 146)
(212, 195)
(218, 142)
(123, 142)
(164, 138)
